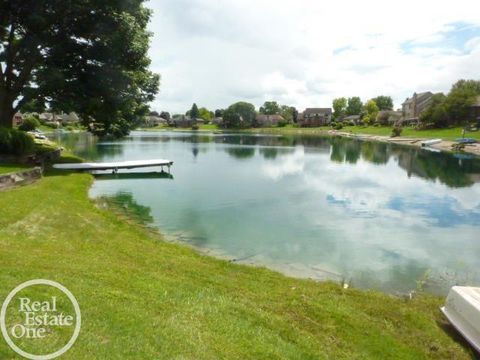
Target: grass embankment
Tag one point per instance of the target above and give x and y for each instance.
(8, 168)
(445, 134)
(143, 298)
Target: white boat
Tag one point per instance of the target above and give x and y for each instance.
(114, 165)
(431, 142)
(462, 309)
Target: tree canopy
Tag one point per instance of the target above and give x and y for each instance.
(354, 106)
(384, 102)
(194, 112)
(270, 108)
(339, 107)
(238, 115)
(84, 56)
(455, 107)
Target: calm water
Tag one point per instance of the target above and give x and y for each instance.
(375, 215)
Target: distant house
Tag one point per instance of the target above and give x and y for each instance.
(413, 107)
(184, 121)
(153, 120)
(59, 118)
(268, 120)
(315, 117)
(17, 119)
(217, 120)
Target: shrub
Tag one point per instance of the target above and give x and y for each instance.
(333, 124)
(29, 123)
(15, 142)
(282, 123)
(338, 126)
(351, 123)
(195, 127)
(396, 131)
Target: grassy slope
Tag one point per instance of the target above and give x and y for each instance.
(445, 134)
(143, 298)
(8, 168)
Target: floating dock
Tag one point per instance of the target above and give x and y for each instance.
(114, 166)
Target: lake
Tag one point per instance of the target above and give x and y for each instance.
(373, 215)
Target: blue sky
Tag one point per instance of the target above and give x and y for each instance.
(305, 53)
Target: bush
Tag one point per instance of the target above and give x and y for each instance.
(338, 126)
(333, 124)
(195, 127)
(351, 123)
(15, 142)
(30, 123)
(396, 131)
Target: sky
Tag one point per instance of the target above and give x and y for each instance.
(305, 53)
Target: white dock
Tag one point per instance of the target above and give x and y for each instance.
(114, 166)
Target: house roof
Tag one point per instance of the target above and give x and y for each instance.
(420, 97)
(351, 117)
(317, 111)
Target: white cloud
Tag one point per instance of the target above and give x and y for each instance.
(306, 52)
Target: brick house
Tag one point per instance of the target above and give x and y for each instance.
(315, 117)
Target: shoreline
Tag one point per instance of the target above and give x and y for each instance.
(410, 141)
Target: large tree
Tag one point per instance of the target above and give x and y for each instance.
(339, 107)
(238, 115)
(354, 106)
(87, 56)
(384, 102)
(460, 99)
(270, 108)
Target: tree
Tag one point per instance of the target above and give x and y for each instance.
(384, 102)
(219, 112)
(193, 112)
(238, 115)
(205, 114)
(435, 114)
(371, 112)
(270, 108)
(288, 113)
(339, 107)
(354, 106)
(460, 99)
(89, 57)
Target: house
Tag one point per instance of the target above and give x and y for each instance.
(315, 117)
(413, 107)
(153, 120)
(182, 121)
(17, 119)
(268, 120)
(217, 120)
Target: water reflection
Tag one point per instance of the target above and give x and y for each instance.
(379, 215)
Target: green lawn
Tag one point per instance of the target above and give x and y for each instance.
(445, 134)
(8, 168)
(143, 298)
